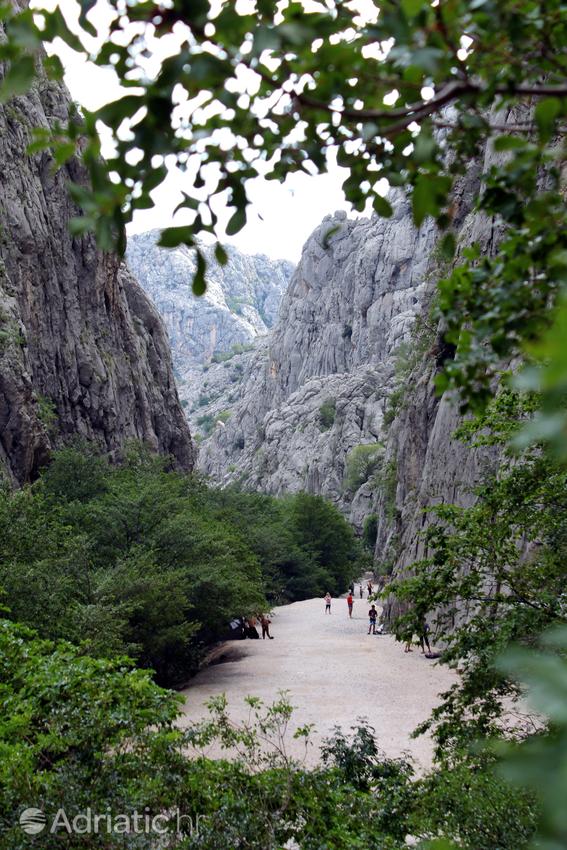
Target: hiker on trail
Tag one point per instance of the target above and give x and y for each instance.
(372, 616)
(369, 586)
(424, 636)
(351, 588)
(265, 623)
(350, 603)
(360, 590)
(327, 603)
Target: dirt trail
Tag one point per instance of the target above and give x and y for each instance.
(334, 672)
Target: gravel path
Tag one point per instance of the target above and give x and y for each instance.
(334, 672)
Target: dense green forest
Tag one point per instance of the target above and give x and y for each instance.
(133, 559)
(137, 560)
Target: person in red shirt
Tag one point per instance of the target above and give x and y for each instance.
(350, 603)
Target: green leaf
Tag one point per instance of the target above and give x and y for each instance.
(265, 38)
(429, 195)
(424, 147)
(54, 67)
(412, 7)
(220, 254)
(199, 283)
(171, 237)
(448, 246)
(86, 6)
(116, 111)
(546, 113)
(41, 139)
(81, 225)
(382, 206)
(23, 32)
(187, 203)
(63, 151)
(508, 143)
(237, 222)
(18, 78)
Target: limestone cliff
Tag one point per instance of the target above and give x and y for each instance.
(82, 350)
(319, 391)
(423, 463)
(341, 401)
(240, 305)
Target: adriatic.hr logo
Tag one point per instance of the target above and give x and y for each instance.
(33, 821)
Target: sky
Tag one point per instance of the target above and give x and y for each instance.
(280, 217)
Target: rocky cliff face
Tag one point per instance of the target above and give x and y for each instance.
(82, 350)
(319, 391)
(342, 400)
(241, 304)
(424, 464)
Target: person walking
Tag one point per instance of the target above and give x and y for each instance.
(350, 603)
(361, 591)
(265, 623)
(372, 617)
(424, 636)
(327, 603)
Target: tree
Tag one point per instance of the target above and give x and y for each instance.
(494, 574)
(408, 96)
(322, 531)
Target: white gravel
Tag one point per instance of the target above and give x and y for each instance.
(334, 673)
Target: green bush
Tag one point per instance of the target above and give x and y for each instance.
(362, 461)
(370, 531)
(327, 413)
(81, 733)
(206, 423)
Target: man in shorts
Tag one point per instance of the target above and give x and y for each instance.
(372, 617)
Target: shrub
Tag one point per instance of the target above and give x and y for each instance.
(327, 413)
(370, 531)
(206, 423)
(362, 461)
(47, 414)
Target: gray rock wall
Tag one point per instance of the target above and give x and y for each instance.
(82, 350)
(350, 305)
(426, 465)
(240, 305)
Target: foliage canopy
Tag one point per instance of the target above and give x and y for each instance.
(407, 93)
(140, 561)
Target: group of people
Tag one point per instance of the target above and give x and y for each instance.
(372, 613)
(249, 629)
(373, 628)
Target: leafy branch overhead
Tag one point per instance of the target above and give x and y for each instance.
(406, 95)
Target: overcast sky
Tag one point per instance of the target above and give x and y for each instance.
(280, 217)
